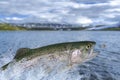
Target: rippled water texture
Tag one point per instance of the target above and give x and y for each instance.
(106, 66)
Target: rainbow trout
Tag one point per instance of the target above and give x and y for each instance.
(68, 53)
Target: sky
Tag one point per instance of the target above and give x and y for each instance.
(60, 11)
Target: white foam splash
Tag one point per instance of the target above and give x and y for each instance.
(39, 69)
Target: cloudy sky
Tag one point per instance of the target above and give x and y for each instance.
(61, 11)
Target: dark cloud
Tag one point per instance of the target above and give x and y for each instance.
(90, 2)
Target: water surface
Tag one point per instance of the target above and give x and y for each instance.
(104, 67)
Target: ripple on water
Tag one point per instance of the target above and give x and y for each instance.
(95, 70)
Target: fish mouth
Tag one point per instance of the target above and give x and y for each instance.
(92, 51)
(92, 54)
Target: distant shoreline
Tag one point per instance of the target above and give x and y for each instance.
(8, 27)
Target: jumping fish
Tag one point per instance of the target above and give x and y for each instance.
(69, 53)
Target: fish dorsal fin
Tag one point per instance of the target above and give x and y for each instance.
(21, 53)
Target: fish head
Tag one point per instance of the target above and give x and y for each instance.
(83, 51)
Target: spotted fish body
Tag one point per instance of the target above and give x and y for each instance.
(68, 53)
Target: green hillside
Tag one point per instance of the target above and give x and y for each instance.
(112, 29)
(4, 26)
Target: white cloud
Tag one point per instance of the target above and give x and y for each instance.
(67, 4)
(66, 11)
(109, 15)
(113, 10)
(92, 5)
(114, 2)
(84, 20)
(3, 2)
(48, 15)
(13, 18)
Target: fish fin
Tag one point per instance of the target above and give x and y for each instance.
(5, 66)
(21, 53)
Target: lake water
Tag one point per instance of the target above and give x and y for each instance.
(106, 66)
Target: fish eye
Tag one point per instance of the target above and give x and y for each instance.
(88, 47)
